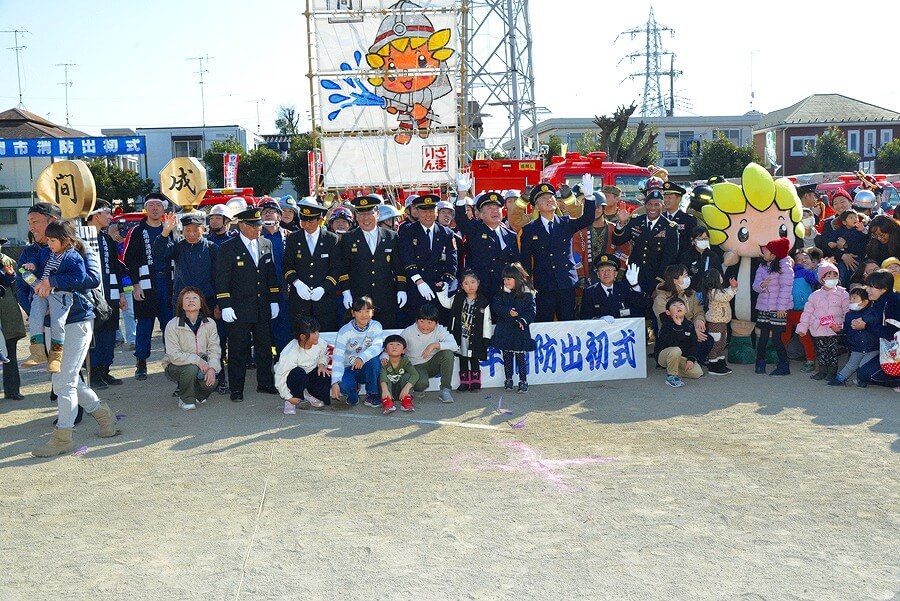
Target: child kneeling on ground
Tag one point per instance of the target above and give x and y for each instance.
(398, 376)
(302, 373)
(862, 341)
(355, 357)
(430, 349)
(677, 344)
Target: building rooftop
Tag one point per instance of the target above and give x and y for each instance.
(19, 123)
(827, 108)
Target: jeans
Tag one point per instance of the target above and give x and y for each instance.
(67, 385)
(128, 319)
(58, 303)
(871, 373)
(144, 330)
(856, 359)
(367, 375)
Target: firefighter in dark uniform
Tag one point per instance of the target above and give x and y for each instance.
(685, 222)
(369, 264)
(546, 248)
(312, 268)
(428, 257)
(492, 246)
(611, 299)
(654, 239)
(247, 293)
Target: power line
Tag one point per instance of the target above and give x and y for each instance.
(653, 102)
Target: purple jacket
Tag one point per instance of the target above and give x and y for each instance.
(778, 294)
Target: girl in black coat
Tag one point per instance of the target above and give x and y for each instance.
(470, 324)
(514, 309)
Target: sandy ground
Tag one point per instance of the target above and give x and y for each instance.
(730, 488)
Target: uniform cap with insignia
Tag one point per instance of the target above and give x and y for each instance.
(488, 198)
(368, 202)
(806, 189)
(540, 190)
(193, 219)
(601, 260)
(426, 201)
(250, 216)
(309, 209)
(673, 188)
(654, 194)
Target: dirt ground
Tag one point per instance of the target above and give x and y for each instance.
(744, 487)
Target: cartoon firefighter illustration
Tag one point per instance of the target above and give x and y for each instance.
(407, 42)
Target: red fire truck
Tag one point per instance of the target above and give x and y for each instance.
(569, 169)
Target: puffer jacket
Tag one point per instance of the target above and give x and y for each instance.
(183, 347)
(822, 304)
(779, 292)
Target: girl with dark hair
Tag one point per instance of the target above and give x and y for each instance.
(885, 238)
(470, 324)
(514, 309)
(677, 283)
(700, 257)
(302, 373)
(193, 353)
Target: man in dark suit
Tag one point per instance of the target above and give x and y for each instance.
(546, 248)
(610, 299)
(312, 268)
(247, 292)
(685, 222)
(369, 264)
(492, 246)
(427, 255)
(654, 240)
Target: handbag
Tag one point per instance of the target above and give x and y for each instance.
(889, 351)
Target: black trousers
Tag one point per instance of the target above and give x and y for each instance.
(11, 380)
(239, 333)
(560, 303)
(324, 310)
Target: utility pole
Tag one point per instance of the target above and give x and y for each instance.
(66, 85)
(257, 101)
(200, 59)
(17, 49)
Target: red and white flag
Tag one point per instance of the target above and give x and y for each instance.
(231, 168)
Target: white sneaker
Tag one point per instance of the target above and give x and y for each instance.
(313, 401)
(289, 408)
(186, 406)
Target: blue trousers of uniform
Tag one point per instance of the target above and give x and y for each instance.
(104, 345)
(144, 329)
(281, 327)
(560, 303)
(368, 375)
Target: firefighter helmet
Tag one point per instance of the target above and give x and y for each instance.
(407, 22)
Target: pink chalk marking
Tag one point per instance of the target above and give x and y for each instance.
(81, 451)
(528, 462)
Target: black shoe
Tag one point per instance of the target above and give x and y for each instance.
(223, 388)
(109, 378)
(54, 397)
(177, 392)
(140, 370)
(251, 365)
(97, 382)
(237, 397)
(718, 368)
(15, 397)
(507, 385)
(267, 389)
(523, 386)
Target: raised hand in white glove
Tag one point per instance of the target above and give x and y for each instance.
(275, 309)
(631, 274)
(607, 318)
(316, 294)
(587, 184)
(463, 183)
(228, 315)
(425, 290)
(348, 299)
(401, 299)
(302, 289)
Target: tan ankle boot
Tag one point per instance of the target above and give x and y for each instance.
(107, 420)
(38, 355)
(60, 444)
(55, 362)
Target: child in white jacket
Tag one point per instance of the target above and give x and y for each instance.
(302, 371)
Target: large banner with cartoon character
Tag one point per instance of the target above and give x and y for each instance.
(386, 78)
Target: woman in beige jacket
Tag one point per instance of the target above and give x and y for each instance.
(677, 282)
(193, 355)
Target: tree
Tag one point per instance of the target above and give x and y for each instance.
(624, 144)
(720, 156)
(214, 159)
(296, 165)
(554, 148)
(114, 183)
(261, 169)
(888, 158)
(830, 153)
(288, 121)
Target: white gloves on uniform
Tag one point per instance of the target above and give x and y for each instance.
(274, 308)
(228, 315)
(425, 290)
(348, 299)
(401, 299)
(587, 184)
(302, 289)
(463, 183)
(316, 294)
(631, 274)
(606, 318)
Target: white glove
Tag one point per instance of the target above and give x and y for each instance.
(228, 315)
(463, 183)
(316, 294)
(607, 318)
(425, 290)
(302, 289)
(348, 299)
(274, 308)
(631, 274)
(587, 184)
(401, 299)
(452, 287)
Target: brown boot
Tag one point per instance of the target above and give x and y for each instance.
(54, 364)
(38, 355)
(107, 420)
(60, 444)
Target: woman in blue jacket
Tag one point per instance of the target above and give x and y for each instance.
(886, 304)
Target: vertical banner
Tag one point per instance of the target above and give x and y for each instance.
(314, 160)
(231, 167)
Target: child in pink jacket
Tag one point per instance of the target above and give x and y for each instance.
(774, 282)
(823, 318)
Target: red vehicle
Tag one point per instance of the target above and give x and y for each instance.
(850, 182)
(569, 169)
(505, 174)
(217, 196)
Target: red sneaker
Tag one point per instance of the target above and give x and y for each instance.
(387, 406)
(406, 404)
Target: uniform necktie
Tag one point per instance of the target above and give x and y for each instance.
(430, 240)
(311, 244)
(500, 239)
(254, 251)
(372, 240)
(550, 227)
